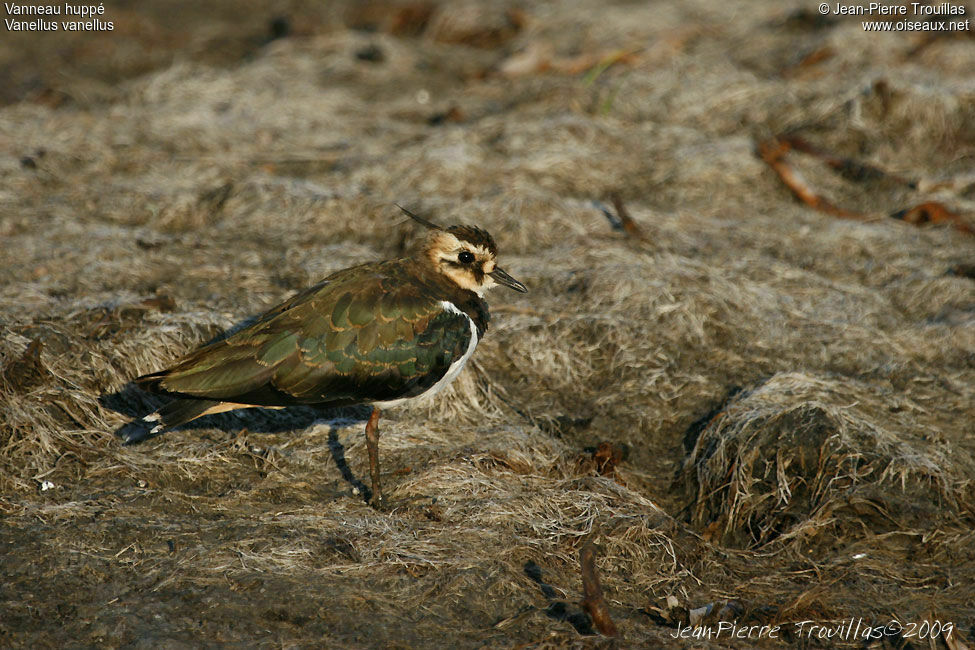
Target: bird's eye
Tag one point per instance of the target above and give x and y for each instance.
(466, 257)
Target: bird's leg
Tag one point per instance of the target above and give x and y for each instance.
(372, 445)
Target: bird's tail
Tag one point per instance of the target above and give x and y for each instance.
(173, 414)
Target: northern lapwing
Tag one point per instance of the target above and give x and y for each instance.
(380, 333)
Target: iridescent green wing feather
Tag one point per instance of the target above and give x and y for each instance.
(363, 335)
(377, 353)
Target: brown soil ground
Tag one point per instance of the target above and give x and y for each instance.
(794, 382)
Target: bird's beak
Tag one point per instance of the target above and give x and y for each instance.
(503, 278)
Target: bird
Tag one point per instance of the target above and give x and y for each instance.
(380, 334)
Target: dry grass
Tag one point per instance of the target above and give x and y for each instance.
(796, 391)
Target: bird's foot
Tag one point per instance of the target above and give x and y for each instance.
(379, 502)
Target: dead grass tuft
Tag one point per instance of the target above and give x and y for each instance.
(805, 459)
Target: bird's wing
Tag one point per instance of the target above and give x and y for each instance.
(360, 338)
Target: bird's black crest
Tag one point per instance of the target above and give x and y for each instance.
(474, 235)
(417, 218)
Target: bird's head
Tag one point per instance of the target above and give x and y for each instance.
(467, 255)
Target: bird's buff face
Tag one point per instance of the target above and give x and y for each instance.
(468, 256)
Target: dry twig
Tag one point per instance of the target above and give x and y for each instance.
(592, 600)
(935, 213)
(773, 152)
(621, 220)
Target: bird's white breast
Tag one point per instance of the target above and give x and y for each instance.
(454, 368)
(458, 365)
